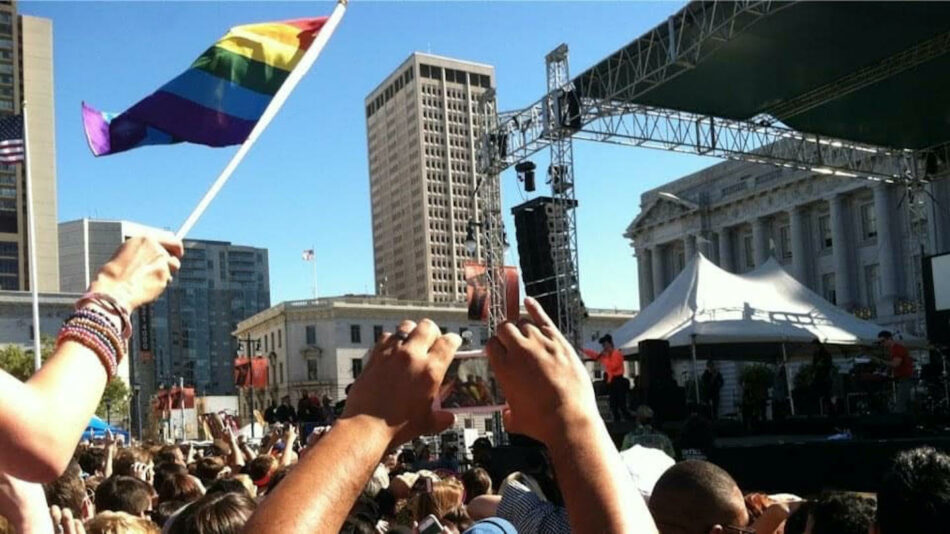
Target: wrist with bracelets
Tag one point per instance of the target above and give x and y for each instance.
(96, 331)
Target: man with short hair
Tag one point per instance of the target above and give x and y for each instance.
(69, 492)
(914, 497)
(697, 497)
(127, 494)
(618, 387)
(646, 436)
(902, 368)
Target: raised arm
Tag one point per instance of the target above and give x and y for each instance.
(552, 400)
(390, 404)
(68, 387)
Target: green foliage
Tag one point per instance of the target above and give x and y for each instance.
(118, 394)
(19, 362)
(805, 377)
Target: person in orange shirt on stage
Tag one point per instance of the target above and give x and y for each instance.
(902, 368)
(617, 386)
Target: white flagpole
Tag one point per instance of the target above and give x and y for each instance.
(313, 259)
(31, 228)
(307, 61)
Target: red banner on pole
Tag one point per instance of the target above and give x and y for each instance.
(479, 299)
(259, 373)
(242, 372)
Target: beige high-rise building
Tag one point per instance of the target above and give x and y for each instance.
(422, 132)
(26, 74)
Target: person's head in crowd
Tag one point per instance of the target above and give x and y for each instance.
(886, 338)
(456, 519)
(260, 470)
(279, 475)
(170, 454)
(401, 484)
(285, 400)
(406, 458)
(494, 525)
(386, 502)
(365, 509)
(218, 513)
(377, 482)
(697, 497)
(120, 523)
(125, 460)
(476, 482)
(644, 414)
(357, 525)
(445, 495)
(914, 496)
(180, 487)
(69, 491)
(696, 438)
(481, 451)
(391, 460)
(607, 342)
(838, 512)
(165, 471)
(209, 469)
(120, 493)
(711, 366)
(92, 460)
(234, 484)
(165, 511)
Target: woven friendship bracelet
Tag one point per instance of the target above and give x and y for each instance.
(92, 342)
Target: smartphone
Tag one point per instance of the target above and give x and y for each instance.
(469, 386)
(430, 525)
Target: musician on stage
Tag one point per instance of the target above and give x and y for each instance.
(902, 368)
(617, 386)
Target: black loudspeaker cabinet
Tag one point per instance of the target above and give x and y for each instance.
(533, 234)
(660, 390)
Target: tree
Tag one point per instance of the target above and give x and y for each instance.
(19, 362)
(118, 394)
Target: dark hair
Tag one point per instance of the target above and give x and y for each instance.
(386, 502)
(606, 338)
(914, 496)
(169, 454)
(218, 513)
(165, 510)
(262, 466)
(477, 482)
(277, 476)
(179, 487)
(93, 460)
(120, 493)
(219, 447)
(706, 490)
(227, 485)
(166, 471)
(67, 491)
(839, 512)
(458, 517)
(886, 334)
(126, 458)
(208, 469)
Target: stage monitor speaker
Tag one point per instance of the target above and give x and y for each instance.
(655, 365)
(936, 274)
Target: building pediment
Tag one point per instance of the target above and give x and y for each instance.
(660, 210)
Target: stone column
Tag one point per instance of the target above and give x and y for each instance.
(704, 245)
(840, 246)
(725, 249)
(657, 261)
(760, 240)
(799, 245)
(689, 248)
(886, 246)
(645, 275)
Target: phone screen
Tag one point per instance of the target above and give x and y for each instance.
(469, 386)
(430, 525)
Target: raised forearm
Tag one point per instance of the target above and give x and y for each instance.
(67, 390)
(317, 494)
(597, 488)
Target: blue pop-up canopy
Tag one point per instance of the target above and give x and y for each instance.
(97, 429)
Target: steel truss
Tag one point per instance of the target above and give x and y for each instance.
(561, 177)
(491, 224)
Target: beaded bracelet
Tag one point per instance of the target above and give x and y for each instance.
(88, 339)
(109, 303)
(108, 333)
(105, 318)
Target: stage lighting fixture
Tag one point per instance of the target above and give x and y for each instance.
(525, 171)
(470, 237)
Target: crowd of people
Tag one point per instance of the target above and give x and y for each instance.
(358, 475)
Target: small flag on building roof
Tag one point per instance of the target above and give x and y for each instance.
(11, 139)
(308, 255)
(218, 100)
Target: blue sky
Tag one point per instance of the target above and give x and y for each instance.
(306, 181)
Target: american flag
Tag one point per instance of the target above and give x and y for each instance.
(11, 139)
(308, 255)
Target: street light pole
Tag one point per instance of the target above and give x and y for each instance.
(249, 351)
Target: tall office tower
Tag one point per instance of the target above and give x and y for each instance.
(26, 74)
(422, 130)
(187, 332)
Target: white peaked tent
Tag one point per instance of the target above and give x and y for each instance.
(707, 305)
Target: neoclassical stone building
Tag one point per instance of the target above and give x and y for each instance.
(850, 240)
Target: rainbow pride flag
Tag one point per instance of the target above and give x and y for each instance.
(218, 100)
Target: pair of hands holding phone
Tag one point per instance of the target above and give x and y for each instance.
(547, 387)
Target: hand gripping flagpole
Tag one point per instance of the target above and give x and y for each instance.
(307, 61)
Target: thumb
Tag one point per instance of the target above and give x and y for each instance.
(441, 420)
